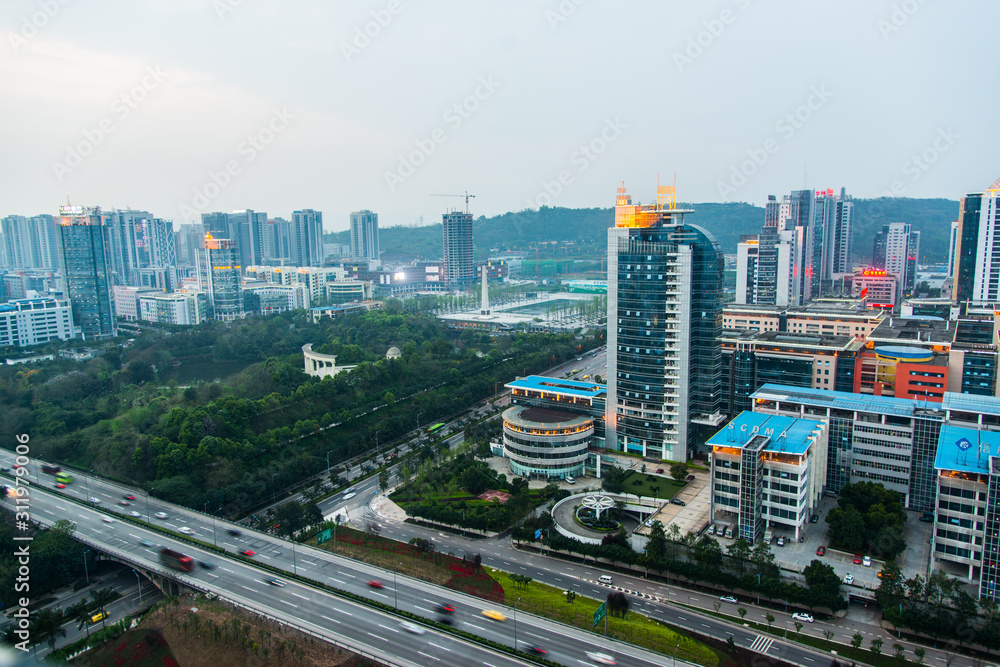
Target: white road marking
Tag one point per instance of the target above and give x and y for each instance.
(338, 580)
(226, 569)
(306, 561)
(386, 627)
(331, 619)
(344, 612)
(477, 627)
(422, 609)
(440, 647)
(248, 588)
(289, 603)
(61, 507)
(377, 637)
(431, 656)
(301, 596)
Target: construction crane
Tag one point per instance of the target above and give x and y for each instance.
(466, 195)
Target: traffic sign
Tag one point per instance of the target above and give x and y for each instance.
(323, 536)
(601, 612)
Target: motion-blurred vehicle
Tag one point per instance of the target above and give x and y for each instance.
(412, 628)
(160, 515)
(375, 583)
(601, 658)
(494, 615)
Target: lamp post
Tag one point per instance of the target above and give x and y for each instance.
(85, 570)
(376, 443)
(674, 658)
(515, 623)
(758, 589)
(395, 590)
(86, 481)
(273, 498)
(215, 535)
(328, 463)
(139, 582)
(151, 489)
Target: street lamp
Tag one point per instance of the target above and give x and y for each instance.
(674, 659)
(215, 535)
(151, 489)
(514, 614)
(376, 443)
(328, 463)
(758, 589)
(273, 475)
(85, 570)
(139, 582)
(395, 589)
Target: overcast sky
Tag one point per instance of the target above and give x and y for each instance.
(184, 106)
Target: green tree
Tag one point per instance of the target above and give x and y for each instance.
(856, 639)
(679, 471)
(741, 551)
(570, 597)
(48, 626)
(875, 645)
(770, 619)
(612, 479)
(656, 547)
(100, 599)
(829, 634)
(920, 653)
(742, 612)
(798, 627)
(383, 480)
(898, 649)
(80, 612)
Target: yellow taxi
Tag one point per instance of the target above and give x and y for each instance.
(98, 617)
(495, 615)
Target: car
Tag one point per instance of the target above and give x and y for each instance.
(821, 551)
(123, 503)
(412, 628)
(160, 515)
(375, 583)
(447, 620)
(60, 485)
(535, 650)
(207, 564)
(927, 517)
(248, 552)
(690, 478)
(128, 496)
(98, 617)
(678, 501)
(883, 573)
(867, 562)
(147, 544)
(107, 519)
(135, 514)
(444, 609)
(849, 579)
(659, 471)
(276, 582)
(601, 658)
(857, 559)
(781, 541)
(95, 500)
(348, 496)
(186, 530)
(814, 518)
(494, 615)
(805, 618)
(711, 529)
(233, 532)
(730, 599)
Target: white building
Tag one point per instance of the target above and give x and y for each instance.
(34, 321)
(127, 301)
(364, 235)
(186, 308)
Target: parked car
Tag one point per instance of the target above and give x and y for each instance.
(857, 559)
(659, 471)
(814, 518)
(867, 562)
(678, 501)
(927, 517)
(849, 579)
(711, 529)
(730, 599)
(781, 541)
(690, 478)
(821, 551)
(805, 618)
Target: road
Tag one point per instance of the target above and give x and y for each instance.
(361, 628)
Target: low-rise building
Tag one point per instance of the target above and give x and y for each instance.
(25, 322)
(545, 443)
(181, 308)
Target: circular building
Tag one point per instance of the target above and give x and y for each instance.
(546, 443)
(393, 353)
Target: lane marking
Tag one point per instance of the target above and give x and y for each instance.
(386, 627)
(226, 569)
(248, 588)
(331, 619)
(440, 647)
(290, 604)
(431, 656)
(301, 596)
(377, 637)
(342, 611)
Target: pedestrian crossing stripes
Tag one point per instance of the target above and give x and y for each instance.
(761, 644)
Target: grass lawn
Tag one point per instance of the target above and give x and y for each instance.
(651, 485)
(550, 602)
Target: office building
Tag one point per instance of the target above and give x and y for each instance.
(977, 251)
(245, 230)
(952, 247)
(364, 235)
(30, 243)
(25, 322)
(664, 317)
(766, 266)
(143, 249)
(278, 241)
(323, 284)
(126, 301)
(267, 299)
(767, 471)
(895, 249)
(878, 288)
(307, 238)
(459, 265)
(219, 278)
(183, 308)
(85, 270)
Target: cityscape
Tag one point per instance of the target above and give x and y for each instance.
(489, 377)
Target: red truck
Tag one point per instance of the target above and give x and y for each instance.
(176, 561)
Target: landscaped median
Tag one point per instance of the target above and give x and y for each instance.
(550, 602)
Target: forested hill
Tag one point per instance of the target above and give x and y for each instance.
(587, 227)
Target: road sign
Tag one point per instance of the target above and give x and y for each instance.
(322, 537)
(538, 533)
(601, 612)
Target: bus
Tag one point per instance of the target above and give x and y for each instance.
(63, 478)
(50, 469)
(176, 561)
(435, 428)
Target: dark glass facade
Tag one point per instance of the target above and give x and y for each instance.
(85, 268)
(965, 271)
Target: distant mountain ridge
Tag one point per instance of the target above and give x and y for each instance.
(587, 228)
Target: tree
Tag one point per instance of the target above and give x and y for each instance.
(570, 597)
(679, 471)
(798, 627)
(718, 606)
(829, 634)
(656, 547)
(920, 653)
(822, 580)
(618, 604)
(898, 649)
(80, 612)
(383, 480)
(875, 645)
(770, 619)
(856, 639)
(740, 550)
(101, 598)
(48, 626)
(612, 479)
(742, 612)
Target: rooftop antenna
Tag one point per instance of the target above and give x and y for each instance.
(466, 195)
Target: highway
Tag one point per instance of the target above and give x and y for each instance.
(354, 625)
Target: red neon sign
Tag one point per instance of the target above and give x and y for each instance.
(873, 272)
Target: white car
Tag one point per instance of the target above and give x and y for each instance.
(805, 618)
(601, 658)
(95, 500)
(849, 579)
(107, 519)
(160, 515)
(186, 530)
(135, 514)
(730, 599)
(867, 562)
(412, 628)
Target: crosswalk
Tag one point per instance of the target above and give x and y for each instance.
(761, 644)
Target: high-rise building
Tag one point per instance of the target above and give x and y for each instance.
(85, 271)
(278, 241)
(767, 266)
(307, 238)
(952, 245)
(977, 248)
(141, 246)
(25, 322)
(895, 250)
(827, 222)
(249, 227)
(30, 243)
(219, 276)
(364, 235)
(459, 267)
(664, 315)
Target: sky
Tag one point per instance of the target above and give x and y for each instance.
(180, 107)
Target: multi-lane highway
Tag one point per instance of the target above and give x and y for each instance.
(352, 624)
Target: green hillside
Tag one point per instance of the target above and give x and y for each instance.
(568, 232)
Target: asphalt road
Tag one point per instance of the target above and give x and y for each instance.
(365, 629)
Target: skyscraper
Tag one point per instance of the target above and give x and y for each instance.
(137, 241)
(459, 269)
(219, 275)
(952, 245)
(895, 249)
(30, 243)
(977, 249)
(664, 315)
(364, 235)
(307, 238)
(84, 266)
(768, 265)
(827, 221)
